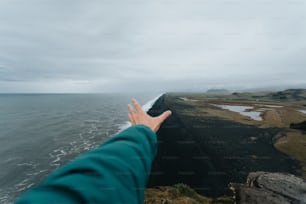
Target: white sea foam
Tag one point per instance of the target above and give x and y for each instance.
(150, 103)
(27, 164)
(36, 173)
(57, 156)
(124, 126)
(255, 115)
(4, 197)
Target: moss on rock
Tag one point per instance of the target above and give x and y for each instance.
(180, 194)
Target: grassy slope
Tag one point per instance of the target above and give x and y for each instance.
(180, 194)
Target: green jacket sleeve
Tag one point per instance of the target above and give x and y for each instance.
(115, 173)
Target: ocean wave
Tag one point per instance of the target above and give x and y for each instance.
(124, 126)
(92, 132)
(8, 195)
(146, 107)
(56, 156)
(5, 197)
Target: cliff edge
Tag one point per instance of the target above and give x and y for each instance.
(208, 147)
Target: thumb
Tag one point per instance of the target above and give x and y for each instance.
(164, 116)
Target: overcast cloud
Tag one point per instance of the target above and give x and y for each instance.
(158, 45)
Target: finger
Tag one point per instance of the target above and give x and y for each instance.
(131, 119)
(131, 109)
(132, 114)
(137, 105)
(164, 116)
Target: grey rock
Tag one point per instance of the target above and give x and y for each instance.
(272, 188)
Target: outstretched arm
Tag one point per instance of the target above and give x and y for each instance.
(116, 172)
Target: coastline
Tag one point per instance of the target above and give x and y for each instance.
(208, 152)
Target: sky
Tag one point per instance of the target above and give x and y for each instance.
(96, 46)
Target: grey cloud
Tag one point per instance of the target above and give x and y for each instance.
(162, 45)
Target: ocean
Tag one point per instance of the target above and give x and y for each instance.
(41, 132)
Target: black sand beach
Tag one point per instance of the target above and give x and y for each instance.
(207, 153)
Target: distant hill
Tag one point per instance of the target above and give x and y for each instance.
(217, 91)
(295, 94)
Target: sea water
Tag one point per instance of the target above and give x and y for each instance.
(41, 132)
(243, 111)
(303, 111)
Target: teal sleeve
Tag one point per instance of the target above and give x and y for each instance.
(116, 173)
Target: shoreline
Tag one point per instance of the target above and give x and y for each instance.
(208, 152)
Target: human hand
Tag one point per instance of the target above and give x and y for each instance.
(139, 116)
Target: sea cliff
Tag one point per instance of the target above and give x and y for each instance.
(208, 148)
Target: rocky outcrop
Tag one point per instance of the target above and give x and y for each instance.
(272, 188)
(296, 94)
(299, 126)
(260, 188)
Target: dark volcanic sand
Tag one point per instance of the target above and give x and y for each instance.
(208, 153)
